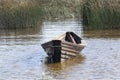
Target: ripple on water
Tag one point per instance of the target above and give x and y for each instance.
(21, 54)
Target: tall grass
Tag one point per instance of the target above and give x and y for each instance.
(96, 14)
(27, 13)
(19, 16)
(101, 14)
(61, 9)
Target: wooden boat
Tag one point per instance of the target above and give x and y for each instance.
(63, 47)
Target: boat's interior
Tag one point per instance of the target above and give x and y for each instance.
(69, 37)
(72, 37)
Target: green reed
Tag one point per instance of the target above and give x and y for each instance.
(101, 14)
(60, 9)
(20, 16)
(29, 13)
(96, 14)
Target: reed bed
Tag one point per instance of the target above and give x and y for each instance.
(96, 14)
(28, 13)
(19, 16)
(60, 9)
(101, 14)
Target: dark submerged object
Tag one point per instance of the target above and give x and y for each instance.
(64, 47)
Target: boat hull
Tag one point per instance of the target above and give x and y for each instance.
(58, 50)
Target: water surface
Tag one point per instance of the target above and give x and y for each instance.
(21, 55)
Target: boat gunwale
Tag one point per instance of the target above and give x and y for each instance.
(61, 38)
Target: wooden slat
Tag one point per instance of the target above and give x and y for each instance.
(65, 57)
(69, 50)
(72, 44)
(60, 37)
(68, 53)
(68, 46)
(73, 39)
(62, 59)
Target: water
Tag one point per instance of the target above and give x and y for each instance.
(21, 54)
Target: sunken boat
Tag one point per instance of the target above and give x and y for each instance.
(63, 47)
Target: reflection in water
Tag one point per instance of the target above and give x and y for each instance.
(59, 70)
(19, 36)
(21, 54)
(102, 33)
(20, 31)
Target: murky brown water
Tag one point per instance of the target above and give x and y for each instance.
(21, 55)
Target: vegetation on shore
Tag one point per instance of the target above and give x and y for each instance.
(61, 9)
(96, 14)
(19, 15)
(28, 13)
(101, 14)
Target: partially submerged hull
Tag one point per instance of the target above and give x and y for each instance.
(64, 47)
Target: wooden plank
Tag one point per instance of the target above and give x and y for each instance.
(65, 57)
(72, 47)
(77, 47)
(68, 53)
(69, 50)
(73, 39)
(47, 44)
(60, 37)
(68, 46)
(62, 59)
(71, 44)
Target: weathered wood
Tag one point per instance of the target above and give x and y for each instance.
(65, 57)
(53, 49)
(66, 46)
(77, 47)
(68, 53)
(69, 50)
(47, 44)
(62, 59)
(71, 44)
(73, 39)
(56, 51)
(61, 37)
